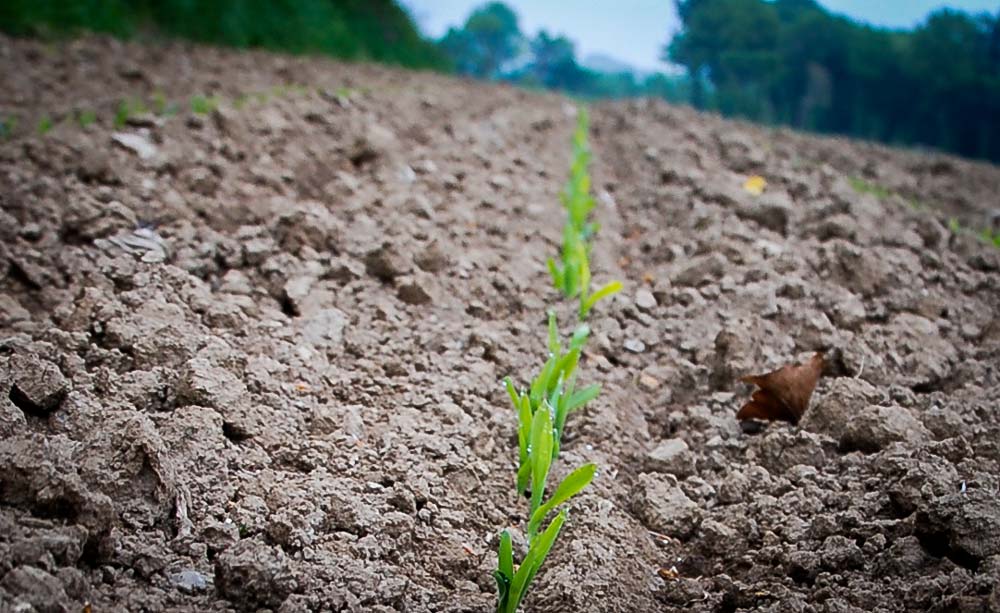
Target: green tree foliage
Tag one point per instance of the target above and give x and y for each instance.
(354, 29)
(490, 38)
(791, 61)
(554, 63)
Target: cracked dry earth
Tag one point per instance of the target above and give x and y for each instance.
(250, 360)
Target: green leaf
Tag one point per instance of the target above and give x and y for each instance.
(561, 405)
(611, 288)
(570, 486)
(582, 397)
(523, 477)
(532, 562)
(505, 563)
(558, 276)
(579, 336)
(540, 386)
(514, 397)
(523, 431)
(503, 591)
(567, 363)
(504, 573)
(540, 455)
(584, 274)
(554, 345)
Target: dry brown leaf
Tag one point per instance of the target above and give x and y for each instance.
(669, 573)
(784, 394)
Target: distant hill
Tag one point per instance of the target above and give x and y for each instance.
(599, 62)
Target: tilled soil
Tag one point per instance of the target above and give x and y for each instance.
(250, 359)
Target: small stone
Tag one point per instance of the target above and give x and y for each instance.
(253, 575)
(770, 211)
(671, 456)
(876, 427)
(343, 270)
(38, 386)
(841, 553)
(385, 263)
(635, 345)
(412, 290)
(664, 507)
(849, 312)
(431, 259)
(297, 289)
(701, 270)
(499, 182)
(205, 384)
(377, 142)
(190, 581)
(40, 590)
(645, 300)
(94, 166)
(135, 143)
(323, 328)
(648, 382)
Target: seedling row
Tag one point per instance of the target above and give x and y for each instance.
(544, 407)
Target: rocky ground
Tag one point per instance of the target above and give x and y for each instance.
(250, 358)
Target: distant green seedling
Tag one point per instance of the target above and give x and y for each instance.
(571, 276)
(86, 118)
(991, 237)
(987, 235)
(7, 126)
(162, 106)
(587, 299)
(44, 125)
(576, 196)
(289, 89)
(203, 105)
(862, 186)
(127, 109)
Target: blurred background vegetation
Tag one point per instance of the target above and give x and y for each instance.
(378, 30)
(785, 62)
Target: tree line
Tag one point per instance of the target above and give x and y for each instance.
(788, 62)
(793, 62)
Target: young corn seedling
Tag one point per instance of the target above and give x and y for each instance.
(44, 125)
(576, 194)
(572, 276)
(127, 109)
(203, 105)
(7, 126)
(555, 389)
(86, 118)
(512, 586)
(587, 299)
(566, 278)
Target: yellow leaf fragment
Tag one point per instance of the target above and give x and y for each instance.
(755, 185)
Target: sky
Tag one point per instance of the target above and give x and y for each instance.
(634, 31)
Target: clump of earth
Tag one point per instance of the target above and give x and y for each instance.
(250, 359)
